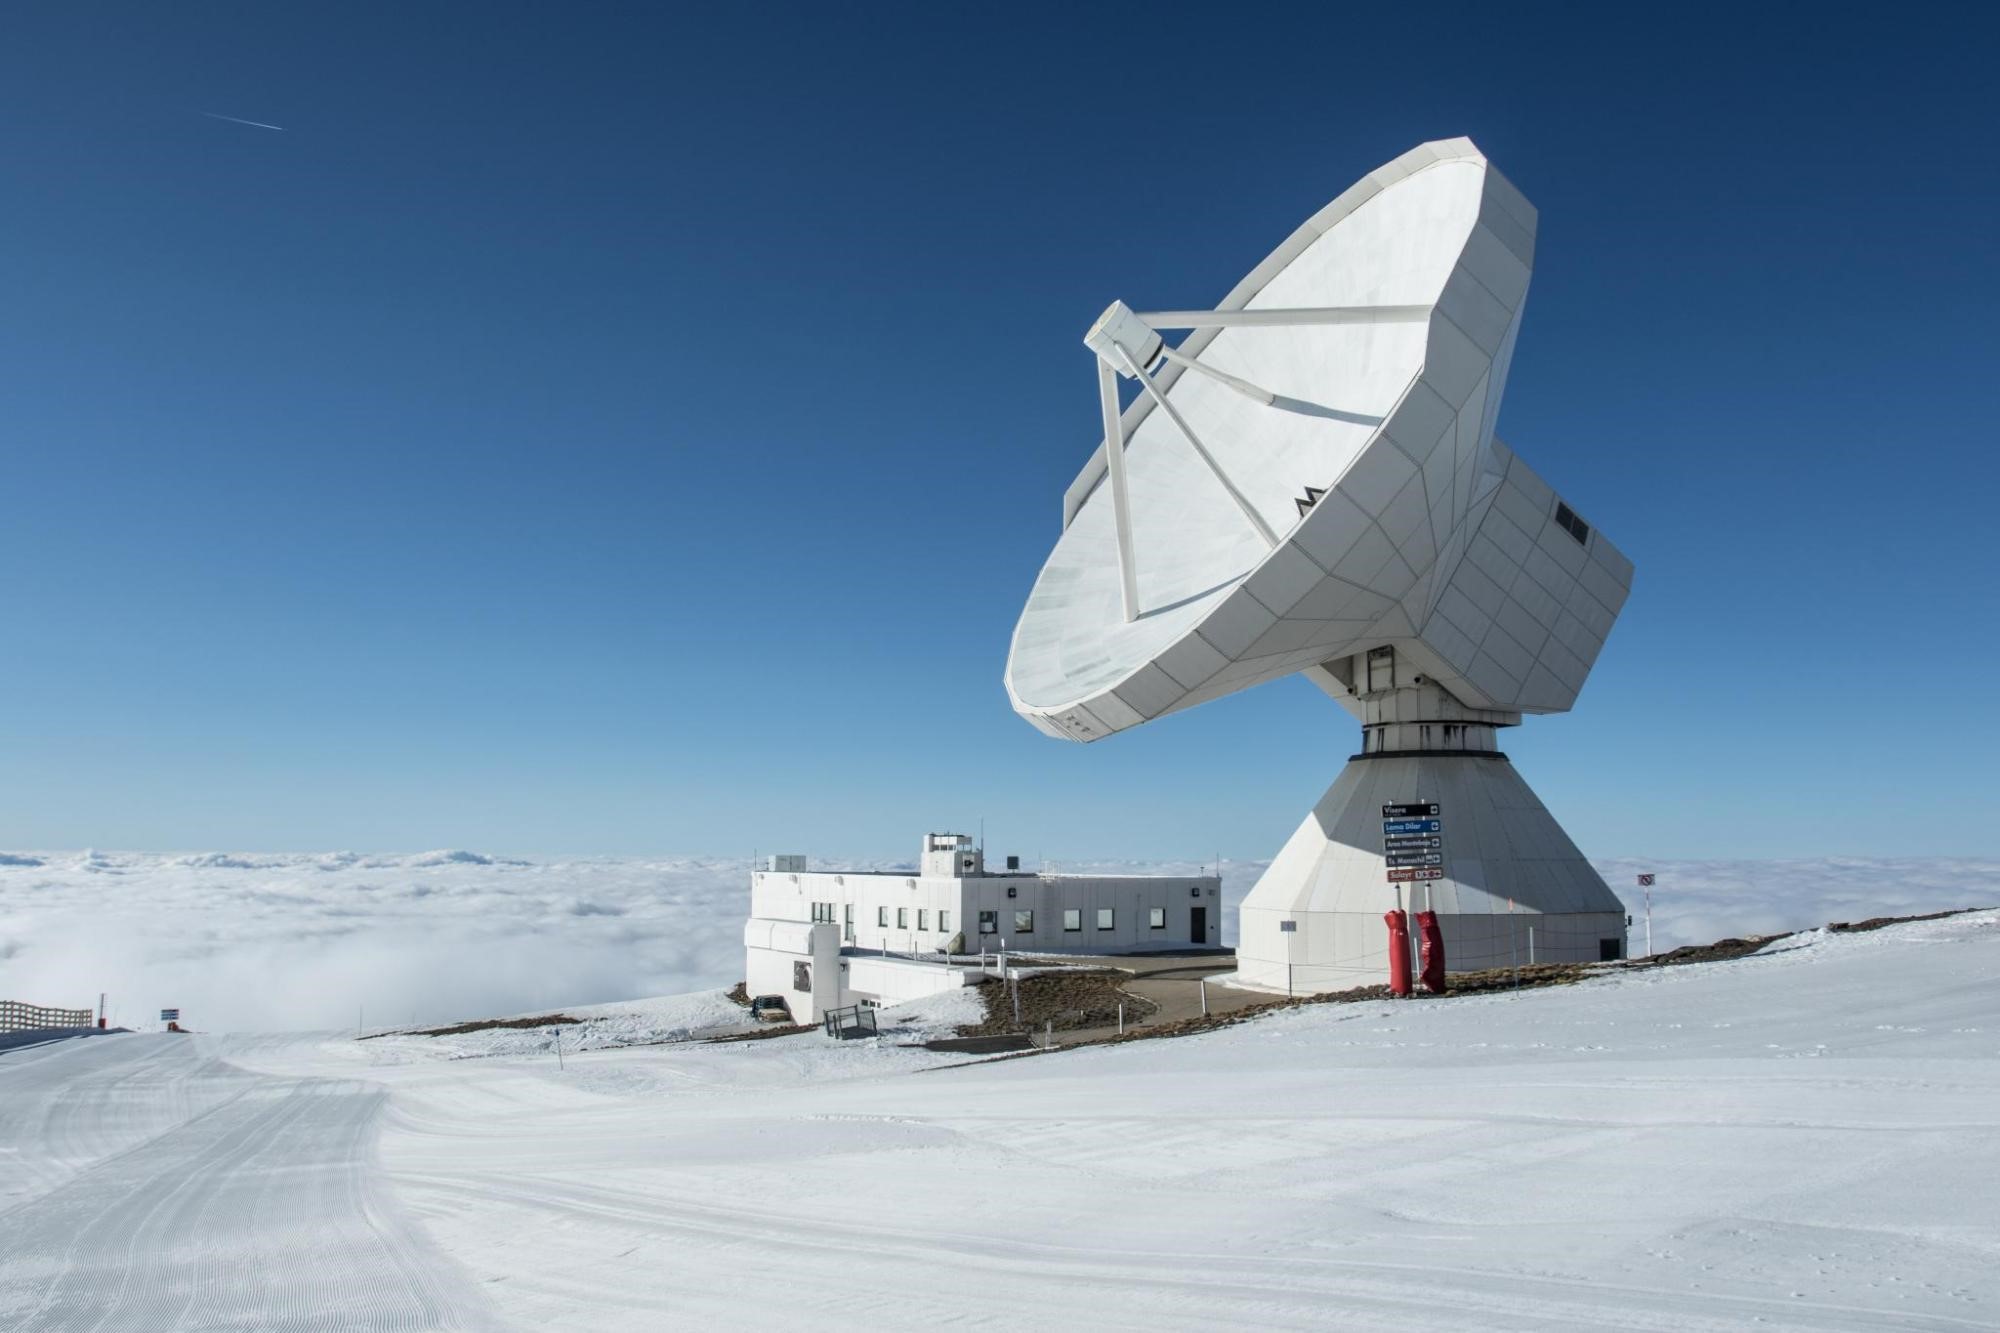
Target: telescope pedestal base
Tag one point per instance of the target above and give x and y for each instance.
(1513, 884)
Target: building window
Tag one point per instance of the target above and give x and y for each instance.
(1567, 520)
(1024, 922)
(944, 920)
(1105, 919)
(1156, 917)
(802, 976)
(882, 916)
(989, 923)
(923, 918)
(902, 918)
(1072, 918)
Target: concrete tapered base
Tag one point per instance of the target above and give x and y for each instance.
(1499, 844)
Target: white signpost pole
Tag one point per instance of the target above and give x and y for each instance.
(1413, 851)
(1646, 883)
(1513, 944)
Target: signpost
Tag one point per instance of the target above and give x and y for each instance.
(170, 1016)
(1646, 883)
(1403, 827)
(1288, 929)
(1412, 847)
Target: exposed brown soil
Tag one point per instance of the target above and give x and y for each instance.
(1721, 951)
(1067, 1000)
(1527, 977)
(740, 993)
(481, 1025)
(1877, 922)
(760, 1034)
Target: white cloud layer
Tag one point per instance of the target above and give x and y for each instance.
(291, 941)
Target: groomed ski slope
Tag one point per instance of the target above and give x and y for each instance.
(1805, 1139)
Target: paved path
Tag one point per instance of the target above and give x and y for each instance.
(151, 1185)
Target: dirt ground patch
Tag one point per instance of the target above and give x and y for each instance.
(1721, 951)
(1877, 922)
(760, 1034)
(482, 1025)
(1067, 1000)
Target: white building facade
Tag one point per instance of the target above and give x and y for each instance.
(825, 939)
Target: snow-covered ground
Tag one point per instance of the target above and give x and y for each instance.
(595, 1027)
(288, 941)
(1809, 1138)
(666, 1020)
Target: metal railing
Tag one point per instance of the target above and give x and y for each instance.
(853, 1021)
(16, 1016)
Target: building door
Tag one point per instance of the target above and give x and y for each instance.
(1198, 924)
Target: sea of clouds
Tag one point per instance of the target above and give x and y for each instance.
(298, 941)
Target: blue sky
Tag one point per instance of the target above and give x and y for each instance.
(634, 429)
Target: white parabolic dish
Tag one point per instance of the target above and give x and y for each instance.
(1374, 469)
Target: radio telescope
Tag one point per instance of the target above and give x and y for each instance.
(1309, 483)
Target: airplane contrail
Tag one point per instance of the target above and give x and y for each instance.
(258, 124)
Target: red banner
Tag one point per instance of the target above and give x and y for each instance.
(1431, 943)
(1399, 951)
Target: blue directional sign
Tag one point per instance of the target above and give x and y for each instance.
(1413, 826)
(170, 1015)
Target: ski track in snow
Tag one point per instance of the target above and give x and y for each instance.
(184, 1193)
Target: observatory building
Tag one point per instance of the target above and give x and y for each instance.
(826, 939)
(1309, 483)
